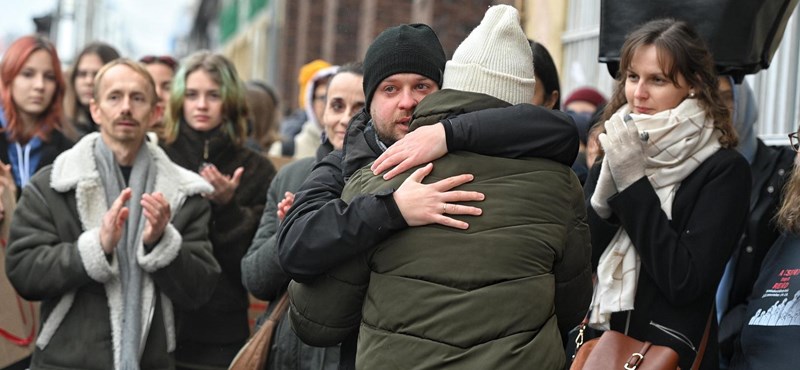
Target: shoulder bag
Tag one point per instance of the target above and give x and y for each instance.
(614, 350)
(254, 354)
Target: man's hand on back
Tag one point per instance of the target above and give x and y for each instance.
(423, 204)
(425, 144)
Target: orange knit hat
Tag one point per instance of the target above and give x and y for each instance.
(306, 73)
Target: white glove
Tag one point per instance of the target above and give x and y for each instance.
(604, 189)
(624, 151)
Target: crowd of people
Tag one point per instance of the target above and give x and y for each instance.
(435, 213)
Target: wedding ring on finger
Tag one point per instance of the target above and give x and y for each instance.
(444, 208)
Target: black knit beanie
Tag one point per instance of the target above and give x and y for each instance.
(408, 48)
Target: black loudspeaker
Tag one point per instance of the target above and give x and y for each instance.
(742, 34)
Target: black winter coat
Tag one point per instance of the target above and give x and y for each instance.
(213, 334)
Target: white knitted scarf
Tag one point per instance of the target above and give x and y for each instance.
(680, 140)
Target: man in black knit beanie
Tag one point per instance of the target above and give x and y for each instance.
(403, 65)
(408, 48)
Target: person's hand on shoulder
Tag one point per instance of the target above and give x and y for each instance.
(423, 145)
(424, 204)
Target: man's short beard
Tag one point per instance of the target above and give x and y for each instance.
(387, 140)
(384, 137)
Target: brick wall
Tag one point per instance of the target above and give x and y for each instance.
(347, 27)
(288, 72)
(451, 19)
(454, 19)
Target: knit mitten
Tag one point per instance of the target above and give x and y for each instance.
(624, 151)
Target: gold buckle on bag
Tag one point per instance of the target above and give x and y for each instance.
(634, 361)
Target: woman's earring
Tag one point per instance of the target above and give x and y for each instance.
(691, 95)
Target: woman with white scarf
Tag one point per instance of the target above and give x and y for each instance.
(669, 201)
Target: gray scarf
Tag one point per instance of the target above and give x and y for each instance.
(142, 180)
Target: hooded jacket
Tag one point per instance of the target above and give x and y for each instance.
(42, 156)
(310, 137)
(771, 167)
(54, 256)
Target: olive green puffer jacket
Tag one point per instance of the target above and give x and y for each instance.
(490, 297)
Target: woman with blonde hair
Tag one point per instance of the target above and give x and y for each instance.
(206, 129)
(669, 201)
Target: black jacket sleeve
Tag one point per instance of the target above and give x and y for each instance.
(573, 272)
(322, 231)
(522, 130)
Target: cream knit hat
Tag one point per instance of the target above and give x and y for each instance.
(495, 59)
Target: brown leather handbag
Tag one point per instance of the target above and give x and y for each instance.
(254, 354)
(614, 350)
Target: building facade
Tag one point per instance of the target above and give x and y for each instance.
(270, 39)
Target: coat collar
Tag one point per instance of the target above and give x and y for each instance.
(75, 169)
(447, 103)
(360, 143)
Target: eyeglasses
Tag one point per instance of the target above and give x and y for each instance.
(163, 59)
(795, 141)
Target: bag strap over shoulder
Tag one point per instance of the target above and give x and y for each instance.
(703, 342)
(280, 308)
(254, 354)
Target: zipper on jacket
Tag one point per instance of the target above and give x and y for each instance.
(205, 157)
(628, 322)
(675, 334)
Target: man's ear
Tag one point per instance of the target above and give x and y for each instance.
(156, 115)
(94, 110)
